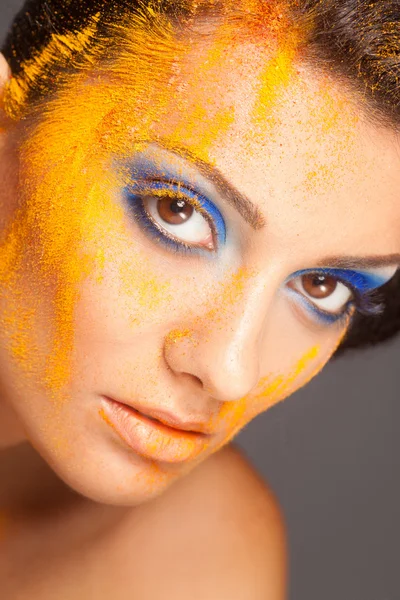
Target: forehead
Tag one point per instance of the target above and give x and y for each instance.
(293, 140)
(290, 138)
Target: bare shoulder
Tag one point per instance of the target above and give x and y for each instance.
(226, 532)
(227, 489)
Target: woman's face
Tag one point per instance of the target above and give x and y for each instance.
(185, 238)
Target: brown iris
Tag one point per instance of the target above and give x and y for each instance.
(319, 286)
(174, 211)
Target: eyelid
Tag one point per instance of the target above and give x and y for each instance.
(361, 281)
(199, 201)
(384, 273)
(146, 168)
(321, 315)
(150, 185)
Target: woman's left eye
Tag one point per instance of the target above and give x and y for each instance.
(177, 216)
(326, 292)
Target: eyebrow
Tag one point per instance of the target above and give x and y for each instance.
(252, 214)
(360, 262)
(249, 211)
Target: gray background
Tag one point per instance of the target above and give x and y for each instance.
(331, 453)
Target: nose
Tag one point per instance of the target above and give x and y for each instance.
(222, 351)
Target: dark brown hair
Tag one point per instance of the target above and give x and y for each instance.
(358, 41)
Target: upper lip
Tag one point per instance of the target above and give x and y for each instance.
(169, 419)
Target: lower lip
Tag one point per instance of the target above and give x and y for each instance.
(149, 437)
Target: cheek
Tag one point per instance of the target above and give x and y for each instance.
(277, 386)
(124, 297)
(49, 248)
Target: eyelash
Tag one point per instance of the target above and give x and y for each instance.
(176, 191)
(367, 303)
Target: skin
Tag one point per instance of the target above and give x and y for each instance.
(224, 339)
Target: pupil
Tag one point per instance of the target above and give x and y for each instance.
(174, 211)
(318, 285)
(319, 280)
(177, 206)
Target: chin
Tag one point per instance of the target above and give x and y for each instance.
(117, 477)
(91, 459)
(113, 495)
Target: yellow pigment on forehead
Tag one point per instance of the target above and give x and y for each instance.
(278, 73)
(64, 203)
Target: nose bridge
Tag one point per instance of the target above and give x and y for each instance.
(225, 355)
(242, 306)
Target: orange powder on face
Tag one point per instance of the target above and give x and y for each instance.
(334, 126)
(237, 414)
(232, 414)
(68, 185)
(277, 389)
(279, 71)
(281, 385)
(105, 418)
(67, 212)
(178, 334)
(199, 124)
(145, 289)
(277, 75)
(231, 292)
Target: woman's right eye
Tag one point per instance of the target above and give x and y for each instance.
(177, 216)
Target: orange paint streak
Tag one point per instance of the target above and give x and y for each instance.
(236, 415)
(105, 418)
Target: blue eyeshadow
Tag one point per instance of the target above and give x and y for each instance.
(144, 168)
(149, 174)
(361, 281)
(206, 204)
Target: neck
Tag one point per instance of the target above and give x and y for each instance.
(35, 503)
(11, 431)
(29, 487)
(26, 480)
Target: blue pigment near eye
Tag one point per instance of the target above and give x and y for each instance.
(361, 283)
(324, 317)
(134, 196)
(154, 173)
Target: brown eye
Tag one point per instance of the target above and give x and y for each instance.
(319, 286)
(323, 291)
(178, 219)
(174, 211)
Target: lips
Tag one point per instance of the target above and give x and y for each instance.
(164, 438)
(171, 420)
